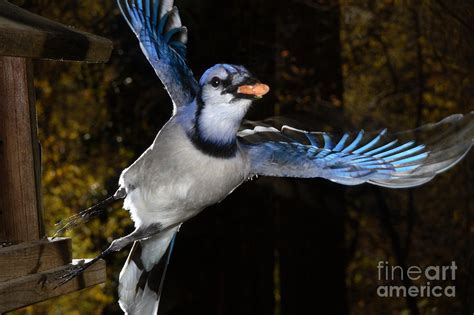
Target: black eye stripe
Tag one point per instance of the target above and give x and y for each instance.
(226, 83)
(216, 81)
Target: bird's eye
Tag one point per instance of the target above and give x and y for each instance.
(215, 82)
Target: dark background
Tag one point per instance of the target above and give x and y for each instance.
(275, 246)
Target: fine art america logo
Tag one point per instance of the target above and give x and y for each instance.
(430, 281)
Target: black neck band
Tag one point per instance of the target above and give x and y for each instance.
(207, 146)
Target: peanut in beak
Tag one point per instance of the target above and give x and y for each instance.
(258, 89)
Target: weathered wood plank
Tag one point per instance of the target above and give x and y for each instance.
(33, 257)
(20, 213)
(38, 287)
(25, 34)
(36, 148)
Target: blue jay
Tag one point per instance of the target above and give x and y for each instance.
(202, 153)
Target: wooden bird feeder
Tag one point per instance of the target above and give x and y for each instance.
(27, 258)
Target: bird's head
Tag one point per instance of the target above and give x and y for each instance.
(230, 86)
(226, 93)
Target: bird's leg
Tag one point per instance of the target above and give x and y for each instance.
(139, 234)
(87, 214)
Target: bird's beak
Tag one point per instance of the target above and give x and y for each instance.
(256, 90)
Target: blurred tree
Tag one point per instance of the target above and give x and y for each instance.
(406, 63)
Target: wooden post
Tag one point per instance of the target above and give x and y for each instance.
(20, 170)
(29, 268)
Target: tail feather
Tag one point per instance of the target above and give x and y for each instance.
(142, 277)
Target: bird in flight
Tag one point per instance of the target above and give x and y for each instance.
(203, 153)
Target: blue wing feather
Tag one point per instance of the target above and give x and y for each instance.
(158, 28)
(312, 139)
(380, 149)
(375, 159)
(394, 157)
(371, 143)
(340, 145)
(394, 150)
(354, 143)
(327, 141)
(155, 12)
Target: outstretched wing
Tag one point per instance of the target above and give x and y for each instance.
(392, 160)
(163, 41)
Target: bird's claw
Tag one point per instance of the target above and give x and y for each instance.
(70, 274)
(67, 224)
(75, 220)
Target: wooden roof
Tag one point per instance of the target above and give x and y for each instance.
(24, 34)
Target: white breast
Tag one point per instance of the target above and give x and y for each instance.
(173, 181)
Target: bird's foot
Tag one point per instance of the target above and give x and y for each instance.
(67, 224)
(76, 220)
(71, 273)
